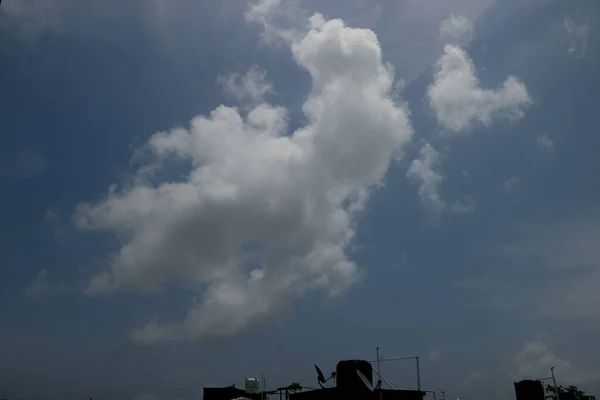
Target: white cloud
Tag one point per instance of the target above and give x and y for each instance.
(535, 359)
(250, 88)
(23, 164)
(455, 28)
(282, 21)
(459, 101)
(424, 172)
(545, 142)
(578, 35)
(263, 216)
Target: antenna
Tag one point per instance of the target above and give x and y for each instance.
(378, 370)
(403, 358)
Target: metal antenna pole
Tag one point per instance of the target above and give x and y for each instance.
(404, 358)
(554, 382)
(389, 384)
(418, 376)
(378, 370)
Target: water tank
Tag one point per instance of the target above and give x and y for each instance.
(348, 379)
(529, 390)
(252, 385)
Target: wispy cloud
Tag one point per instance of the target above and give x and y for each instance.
(28, 19)
(60, 228)
(43, 287)
(455, 28)
(535, 359)
(465, 205)
(283, 22)
(424, 171)
(545, 142)
(24, 164)
(512, 184)
(250, 88)
(434, 354)
(473, 377)
(578, 36)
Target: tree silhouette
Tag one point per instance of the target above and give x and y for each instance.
(294, 387)
(570, 392)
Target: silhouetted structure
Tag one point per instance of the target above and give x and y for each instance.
(348, 379)
(229, 393)
(335, 394)
(529, 390)
(224, 393)
(354, 381)
(350, 385)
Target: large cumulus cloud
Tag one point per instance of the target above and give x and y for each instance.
(263, 215)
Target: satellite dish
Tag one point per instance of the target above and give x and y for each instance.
(364, 380)
(320, 376)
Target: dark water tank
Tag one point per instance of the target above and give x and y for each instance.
(348, 379)
(529, 390)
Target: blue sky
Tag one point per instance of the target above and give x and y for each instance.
(194, 193)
